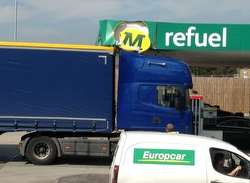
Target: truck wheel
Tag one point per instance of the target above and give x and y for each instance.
(41, 151)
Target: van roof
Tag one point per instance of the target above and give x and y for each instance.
(142, 136)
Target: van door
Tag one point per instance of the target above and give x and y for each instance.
(162, 163)
(222, 167)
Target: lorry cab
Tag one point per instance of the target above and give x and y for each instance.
(147, 157)
(152, 92)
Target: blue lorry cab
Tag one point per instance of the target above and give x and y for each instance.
(153, 91)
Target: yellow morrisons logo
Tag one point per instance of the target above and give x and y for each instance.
(133, 37)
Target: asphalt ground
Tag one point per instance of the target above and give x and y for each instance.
(70, 169)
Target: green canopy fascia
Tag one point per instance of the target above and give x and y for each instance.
(186, 36)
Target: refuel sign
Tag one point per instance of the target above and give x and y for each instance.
(193, 38)
(164, 156)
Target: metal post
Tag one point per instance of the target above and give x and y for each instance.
(196, 116)
(16, 23)
(200, 124)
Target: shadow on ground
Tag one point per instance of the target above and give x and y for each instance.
(84, 160)
(85, 178)
(10, 153)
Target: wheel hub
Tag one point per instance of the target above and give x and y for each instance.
(41, 150)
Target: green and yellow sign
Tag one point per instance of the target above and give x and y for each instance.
(140, 36)
(132, 36)
(164, 156)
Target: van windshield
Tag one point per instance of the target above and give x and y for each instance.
(230, 163)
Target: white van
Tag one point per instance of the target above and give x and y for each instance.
(154, 157)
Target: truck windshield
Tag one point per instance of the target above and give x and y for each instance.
(169, 96)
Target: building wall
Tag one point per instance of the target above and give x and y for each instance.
(231, 94)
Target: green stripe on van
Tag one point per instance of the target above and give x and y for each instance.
(164, 156)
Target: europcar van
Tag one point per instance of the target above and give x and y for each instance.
(154, 157)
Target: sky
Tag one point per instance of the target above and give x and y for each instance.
(76, 21)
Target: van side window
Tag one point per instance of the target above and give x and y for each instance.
(168, 96)
(229, 163)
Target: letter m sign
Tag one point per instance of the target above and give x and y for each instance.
(128, 40)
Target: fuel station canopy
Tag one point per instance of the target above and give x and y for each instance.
(197, 44)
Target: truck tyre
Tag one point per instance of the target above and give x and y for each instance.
(41, 151)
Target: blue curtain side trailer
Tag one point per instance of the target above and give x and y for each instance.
(56, 90)
(57, 93)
